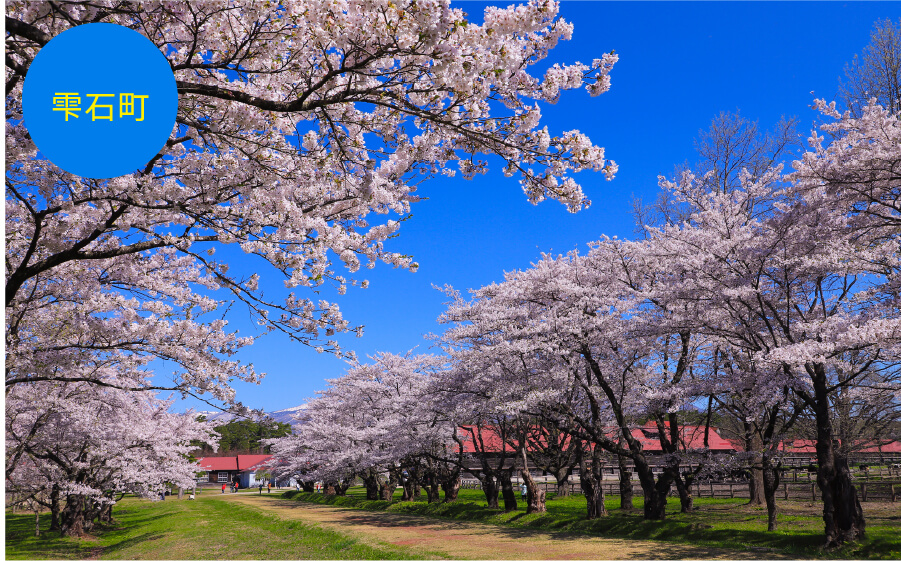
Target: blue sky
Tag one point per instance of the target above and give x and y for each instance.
(680, 65)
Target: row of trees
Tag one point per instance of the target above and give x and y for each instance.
(765, 295)
(76, 450)
(303, 131)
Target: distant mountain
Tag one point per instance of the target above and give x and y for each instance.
(287, 415)
(281, 416)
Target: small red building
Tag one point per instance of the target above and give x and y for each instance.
(242, 468)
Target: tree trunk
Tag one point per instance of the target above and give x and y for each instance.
(37, 521)
(562, 477)
(450, 488)
(591, 482)
(491, 490)
(386, 489)
(308, 486)
(770, 475)
(625, 485)
(54, 509)
(371, 482)
(105, 514)
(432, 493)
(841, 508)
(507, 491)
(535, 497)
(73, 521)
(755, 483)
(683, 486)
(842, 514)
(342, 487)
(655, 492)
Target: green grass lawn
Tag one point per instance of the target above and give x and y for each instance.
(727, 523)
(208, 528)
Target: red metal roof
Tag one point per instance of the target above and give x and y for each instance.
(693, 436)
(486, 437)
(805, 446)
(887, 448)
(224, 463)
(241, 462)
(249, 462)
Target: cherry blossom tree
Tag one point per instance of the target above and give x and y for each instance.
(553, 450)
(84, 449)
(795, 278)
(764, 412)
(303, 131)
(377, 422)
(586, 323)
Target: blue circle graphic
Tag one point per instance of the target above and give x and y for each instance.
(99, 100)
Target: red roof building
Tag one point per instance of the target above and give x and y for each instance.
(227, 469)
(487, 440)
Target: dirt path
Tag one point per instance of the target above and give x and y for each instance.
(467, 540)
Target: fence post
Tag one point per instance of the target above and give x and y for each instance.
(785, 488)
(863, 491)
(892, 489)
(813, 492)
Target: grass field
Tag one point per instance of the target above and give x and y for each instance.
(727, 523)
(208, 528)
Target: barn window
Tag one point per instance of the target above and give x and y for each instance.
(223, 476)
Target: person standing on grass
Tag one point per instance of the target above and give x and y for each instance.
(269, 488)
(223, 488)
(261, 487)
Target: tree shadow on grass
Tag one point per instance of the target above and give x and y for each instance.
(682, 532)
(21, 543)
(134, 540)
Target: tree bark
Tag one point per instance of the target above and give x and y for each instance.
(387, 488)
(535, 497)
(54, 508)
(683, 486)
(491, 490)
(591, 482)
(625, 485)
(842, 513)
(73, 521)
(105, 514)
(432, 492)
(755, 483)
(450, 488)
(655, 492)
(371, 482)
(507, 491)
(562, 482)
(770, 475)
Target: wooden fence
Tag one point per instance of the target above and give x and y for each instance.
(788, 490)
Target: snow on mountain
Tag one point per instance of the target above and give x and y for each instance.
(281, 416)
